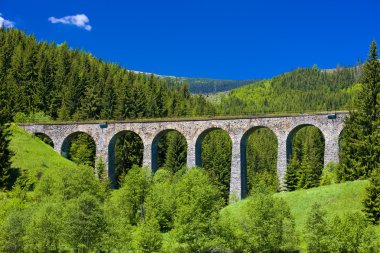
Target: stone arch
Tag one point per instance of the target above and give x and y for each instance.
(45, 138)
(111, 155)
(243, 156)
(198, 144)
(289, 138)
(219, 168)
(154, 146)
(306, 168)
(67, 142)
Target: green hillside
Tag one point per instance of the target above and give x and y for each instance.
(301, 90)
(210, 85)
(336, 199)
(33, 155)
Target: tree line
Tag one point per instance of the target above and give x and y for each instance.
(178, 204)
(308, 89)
(68, 84)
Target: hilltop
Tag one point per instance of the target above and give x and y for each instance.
(308, 89)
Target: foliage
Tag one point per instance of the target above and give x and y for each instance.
(306, 162)
(262, 160)
(147, 237)
(37, 117)
(317, 232)
(82, 149)
(308, 89)
(128, 152)
(12, 225)
(176, 153)
(83, 223)
(5, 156)
(100, 168)
(349, 233)
(216, 159)
(209, 85)
(160, 201)
(329, 174)
(43, 232)
(198, 202)
(43, 209)
(52, 81)
(372, 200)
(360, 145)
(264, 224)
(32, 157)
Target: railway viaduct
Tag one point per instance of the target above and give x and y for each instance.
(194, 131)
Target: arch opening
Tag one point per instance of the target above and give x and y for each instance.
(213, 152)
(305, 157)
(124, 151)
(259, 147)
(45, 138)
(169, 151)
(80, 148)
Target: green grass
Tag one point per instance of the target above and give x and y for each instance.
(336, 199)
(33, 155)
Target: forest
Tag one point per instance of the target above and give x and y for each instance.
(309, 89)
(178, 209)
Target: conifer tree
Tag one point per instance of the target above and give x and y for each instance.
(361, 144)
(176, 154)
(5, 155)
(372, 200)
(291, 177)
(317, 231)
(5, 152)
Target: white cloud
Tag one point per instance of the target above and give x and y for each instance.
(79, 20)
(6, 23)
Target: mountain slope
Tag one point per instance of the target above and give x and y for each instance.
(209, 85)
(301, 90)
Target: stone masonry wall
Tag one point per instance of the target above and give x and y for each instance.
(193, 131)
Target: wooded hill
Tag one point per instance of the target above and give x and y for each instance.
(68, 84)
(212, 85)
(301, 90)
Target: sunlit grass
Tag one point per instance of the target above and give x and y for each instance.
(32, 154)
(336, 199)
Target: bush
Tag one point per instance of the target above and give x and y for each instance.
(264, 225)
(147, 237)
(36, 117)
(329, 174)
(372, 200)
(198, 202)
(349, 233)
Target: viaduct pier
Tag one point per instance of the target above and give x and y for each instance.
(194, 131)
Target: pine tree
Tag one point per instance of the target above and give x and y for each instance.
(291, 177)
(372, 200)
(360, 147)
(5, 155)
(317, 232)
(5, 152)
(176, 154)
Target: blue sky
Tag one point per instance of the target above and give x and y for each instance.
(206, 38)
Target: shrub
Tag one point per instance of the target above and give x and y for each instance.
(329, 175)
(264, 225)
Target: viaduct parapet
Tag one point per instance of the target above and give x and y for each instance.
(194, 130)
